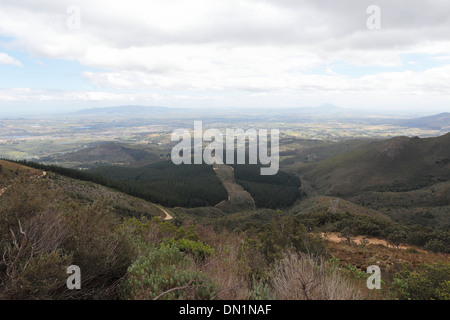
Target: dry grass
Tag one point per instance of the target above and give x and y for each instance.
(301, 277)
(225, 269)
(390, 260)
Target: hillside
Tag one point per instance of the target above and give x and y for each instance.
(238, 198)
(103, 153)
(168, 184)
(436, 122)
(398, 164)
(295, 151)
(332, 205)
(15, 177)
(427, 207)
(49, 221)
(10, 172)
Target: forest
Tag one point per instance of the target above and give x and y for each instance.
(168, 184)
(269, 191)
(162, 182)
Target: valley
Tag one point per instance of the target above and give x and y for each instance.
(354, 190)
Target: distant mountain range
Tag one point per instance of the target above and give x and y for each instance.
(127, 110)
(326, 108)
(145, 110)
(439, 121)
(107, 152)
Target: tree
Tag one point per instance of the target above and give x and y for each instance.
(346, 234)
(364, 241)
(396, 237)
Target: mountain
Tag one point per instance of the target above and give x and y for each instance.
(134, 110)
(406, 178)
(125, 110)
(15, 177)
(439, 121)
(324, 109)
(335, 205)
(111, 153)
(397, 164)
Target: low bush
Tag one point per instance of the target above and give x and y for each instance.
(430, 282)
(166, 273)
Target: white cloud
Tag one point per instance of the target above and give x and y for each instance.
(252, 46)
(8, 60)
(39, 95)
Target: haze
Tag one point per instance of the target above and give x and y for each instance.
(58, 56)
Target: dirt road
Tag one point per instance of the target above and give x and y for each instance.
(334, 237)
(168, 216)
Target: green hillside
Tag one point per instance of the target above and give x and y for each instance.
(333, 205)
(49, 221)
(398, 164)
(14, 177)
(428, 207)
(272, 191)
(167, 183)
(104, 153)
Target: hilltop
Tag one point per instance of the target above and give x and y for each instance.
(10, 172)
(103, 153)
(15, 177)
(404, 178)
(439, 121)
(397, 164)
(333, 205)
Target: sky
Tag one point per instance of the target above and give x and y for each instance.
(369, 55)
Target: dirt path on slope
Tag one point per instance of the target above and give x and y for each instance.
(334, 237)
(168, 216)
(238, 198)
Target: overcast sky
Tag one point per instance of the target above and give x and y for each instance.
(65, 55)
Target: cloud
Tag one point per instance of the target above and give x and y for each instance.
(8, 60)
(251, 46)
(40, 95)
(113, 31)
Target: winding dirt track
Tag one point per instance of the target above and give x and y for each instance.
(168, 216)
(334, 237)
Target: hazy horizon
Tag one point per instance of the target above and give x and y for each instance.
(58, 57)
(316, 110)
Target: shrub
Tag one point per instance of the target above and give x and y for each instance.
(430, 282)
(301, 277)
(412, 250)
(102, 254)
(435, 245)
(166, 273)
(195, 248)
(260, 291)
(43, 278)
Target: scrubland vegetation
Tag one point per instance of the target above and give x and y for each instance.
(279, 250)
